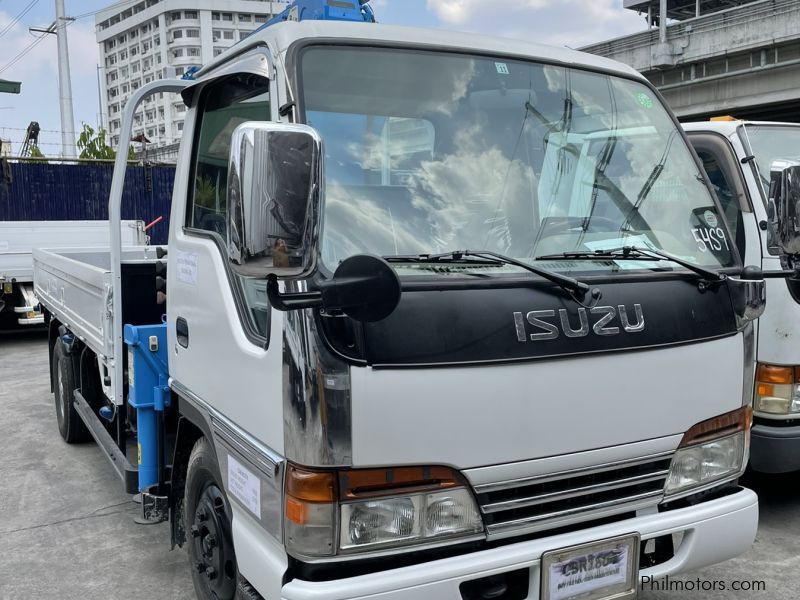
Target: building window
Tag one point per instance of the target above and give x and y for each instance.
(243, 34)
(245, 18)
(177, 34)
(192, 33)
(134, 50)
(177, 53)
(227, 16)
(261, 18)
(228, 35)
(215, 16)
(218, 51)
(179, 71)
(175, 16)
(193, 52)
(180, 125)
(190, 14)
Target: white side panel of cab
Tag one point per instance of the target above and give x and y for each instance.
(779, 326)
(478, 416)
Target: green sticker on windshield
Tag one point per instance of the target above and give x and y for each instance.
(644, 100)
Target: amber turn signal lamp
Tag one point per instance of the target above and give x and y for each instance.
(729, 423)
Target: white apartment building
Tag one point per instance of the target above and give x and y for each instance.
(140, 41)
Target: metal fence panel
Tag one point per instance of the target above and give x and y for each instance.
(33, 191)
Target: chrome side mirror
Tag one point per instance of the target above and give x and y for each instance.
(784, 205)
(274, 181)
(748, 294)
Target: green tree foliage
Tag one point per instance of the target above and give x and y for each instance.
(93, 145)
(36, 152)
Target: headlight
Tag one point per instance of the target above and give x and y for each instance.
(710, 452)
(408, 519)
(777, 390)
(361, 510)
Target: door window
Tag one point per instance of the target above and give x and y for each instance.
(224, 105)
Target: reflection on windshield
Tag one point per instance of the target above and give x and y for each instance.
(432, 152)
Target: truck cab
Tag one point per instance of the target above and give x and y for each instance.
(437, 324)
(742, 159)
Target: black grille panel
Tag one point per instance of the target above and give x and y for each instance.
(558, 499)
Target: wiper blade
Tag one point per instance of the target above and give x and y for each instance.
(493, 258)
(637, 253)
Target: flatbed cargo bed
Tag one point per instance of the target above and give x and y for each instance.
(75, 286)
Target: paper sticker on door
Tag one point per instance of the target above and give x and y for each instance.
(187, 267)
(245, 486)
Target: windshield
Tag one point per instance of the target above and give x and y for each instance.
(770, 143)
(428, 152)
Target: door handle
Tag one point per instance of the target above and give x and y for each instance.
(182, 332)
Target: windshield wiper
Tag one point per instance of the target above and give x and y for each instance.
(638, 253)
(493, 258)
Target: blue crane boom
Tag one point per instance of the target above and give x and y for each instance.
(357, 11)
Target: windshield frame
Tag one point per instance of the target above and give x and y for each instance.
(293, 66)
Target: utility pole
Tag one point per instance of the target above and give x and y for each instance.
(65, 84)
(59, 27)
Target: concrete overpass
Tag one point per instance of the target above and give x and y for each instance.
(738, 57)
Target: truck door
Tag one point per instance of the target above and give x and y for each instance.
(225, 354)
(724, 173)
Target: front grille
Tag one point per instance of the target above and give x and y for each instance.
(559, 499)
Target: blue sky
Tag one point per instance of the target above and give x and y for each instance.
(572, 23)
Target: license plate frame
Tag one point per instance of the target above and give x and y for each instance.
(616, 589)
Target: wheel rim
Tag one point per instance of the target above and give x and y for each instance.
(212, 544)
(61, 395)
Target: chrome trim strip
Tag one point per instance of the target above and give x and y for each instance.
(749, 378)
(504, 485)
(573, 516)
(574, 492)
(317, 404)
(230, 432)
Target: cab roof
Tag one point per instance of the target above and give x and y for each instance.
(281, 36)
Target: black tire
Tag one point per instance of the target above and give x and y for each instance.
(207, 521)
(70, 425)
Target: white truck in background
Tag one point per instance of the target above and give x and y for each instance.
(18, 304)
(748, 163)
(332, 397)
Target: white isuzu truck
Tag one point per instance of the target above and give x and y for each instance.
(433, 322)
(750, 163)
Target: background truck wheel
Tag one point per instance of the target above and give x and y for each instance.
(70, 425)
(207, 515)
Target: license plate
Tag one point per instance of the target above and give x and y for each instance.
(604, 570)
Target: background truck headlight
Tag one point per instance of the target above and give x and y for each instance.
(711, 452)
(347, 512)
(777, 390)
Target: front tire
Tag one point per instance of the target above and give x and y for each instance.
(70, 425)
(207, 521)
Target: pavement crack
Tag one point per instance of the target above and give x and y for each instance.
(92, 515)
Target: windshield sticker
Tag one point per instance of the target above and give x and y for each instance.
(710, 238)
(644, 100)
(711, 219)
(502, 68)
